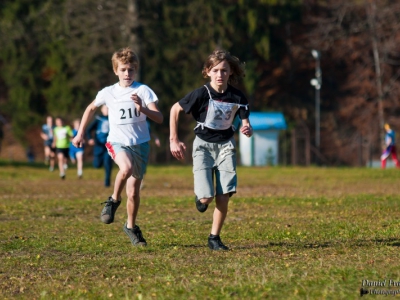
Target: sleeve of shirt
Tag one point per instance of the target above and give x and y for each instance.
(100, 99)
(189, 102)
(70, 132)
(147, 95)
(244, 112)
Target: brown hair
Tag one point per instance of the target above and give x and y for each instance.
(125, 56)
(219, 55)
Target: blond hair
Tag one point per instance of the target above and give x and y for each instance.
(387, 126)
(219, 55)
(125, 56)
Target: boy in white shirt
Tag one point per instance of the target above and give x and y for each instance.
(129, 103)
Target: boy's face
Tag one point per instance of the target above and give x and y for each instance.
(219, 74)
(59, 122)
(125, 73)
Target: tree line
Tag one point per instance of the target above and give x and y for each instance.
(55, 56)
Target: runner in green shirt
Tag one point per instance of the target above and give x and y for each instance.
(62, 136)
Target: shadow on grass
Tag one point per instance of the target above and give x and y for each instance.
(285, 245)
(16, 164)
(35, 165)
(394, 242)
(193, 246)
(389, 242)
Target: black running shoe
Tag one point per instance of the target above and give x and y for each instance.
(214, 243)
(109, 209)
(201, 207)
(135, 235)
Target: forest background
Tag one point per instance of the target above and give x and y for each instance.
(55, 56)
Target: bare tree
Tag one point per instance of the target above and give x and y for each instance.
(359, 43)
(131, 27)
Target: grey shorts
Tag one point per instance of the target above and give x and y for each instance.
(139, 154)
(214, 161)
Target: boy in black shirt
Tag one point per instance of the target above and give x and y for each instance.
(214, 107)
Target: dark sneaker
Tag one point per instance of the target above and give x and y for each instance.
(214, 242)
(135, 235)
(109, 209)
(200, 206)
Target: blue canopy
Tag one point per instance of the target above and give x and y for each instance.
(267, 120)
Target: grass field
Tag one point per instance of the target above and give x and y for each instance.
(294, 233)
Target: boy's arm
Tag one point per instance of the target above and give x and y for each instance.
(70, 133)
(43, 136)
(151, 111)
(388, 139)
(177, 147)
(246, 129)
(54, 139)
(87, 116)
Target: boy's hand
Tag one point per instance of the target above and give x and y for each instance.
(138, 102)
(178, 149)
(247, 131)
(77, 141)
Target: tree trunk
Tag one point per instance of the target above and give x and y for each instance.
(371, 11)
(131, 29)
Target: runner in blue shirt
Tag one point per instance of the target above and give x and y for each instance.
(75, 153)
(101, 158)
(47, 135)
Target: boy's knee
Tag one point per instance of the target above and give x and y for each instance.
(206, 200)
(222, 204)
(132, 196)
(125, 172)
(222, 199)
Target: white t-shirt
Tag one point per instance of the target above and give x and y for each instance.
(126, 125)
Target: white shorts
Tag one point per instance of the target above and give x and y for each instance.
(139, 154)
(214, 160)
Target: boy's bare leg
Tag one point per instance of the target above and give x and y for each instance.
(132, 207)
(123, 160)
(60, 158)
(133, 200)
(79, 163)
(220, 212)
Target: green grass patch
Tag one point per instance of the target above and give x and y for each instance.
(294, 233)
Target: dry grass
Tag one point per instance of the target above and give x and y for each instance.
(294, 233)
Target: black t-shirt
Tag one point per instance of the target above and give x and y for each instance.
(196, 103)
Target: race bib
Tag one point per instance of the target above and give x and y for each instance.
(220, 115)
(61, 133)
(127, 113)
